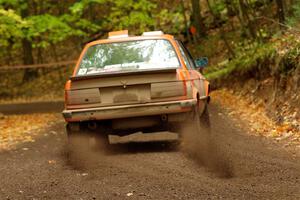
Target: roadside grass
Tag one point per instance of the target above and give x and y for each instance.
(243, 63)
(280, 55)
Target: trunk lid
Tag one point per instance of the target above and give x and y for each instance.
(124, 88)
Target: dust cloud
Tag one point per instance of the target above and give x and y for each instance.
(199, 144)
(85, 152)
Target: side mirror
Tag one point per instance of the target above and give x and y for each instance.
(201, 62)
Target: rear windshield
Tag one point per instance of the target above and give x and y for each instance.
(128, 56)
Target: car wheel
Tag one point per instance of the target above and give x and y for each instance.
(191, 122)
(199, 120)
(205, 118)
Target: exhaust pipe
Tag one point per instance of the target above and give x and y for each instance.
(92, 125)
(164, 117)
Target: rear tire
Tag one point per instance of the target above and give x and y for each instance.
(200, 122)
(205, 118)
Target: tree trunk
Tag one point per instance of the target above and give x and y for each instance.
(185, 21)
(245, 20)
(230, 13)
(9, 57)
(230, 10)
(217, 17)
(197, 20)
(280, 13)
(29, 74)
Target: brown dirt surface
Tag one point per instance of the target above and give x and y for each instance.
(235, 165)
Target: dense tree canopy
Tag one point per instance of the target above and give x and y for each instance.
(34, 25)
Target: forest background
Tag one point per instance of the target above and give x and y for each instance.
(236, 35)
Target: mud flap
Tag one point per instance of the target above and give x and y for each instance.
(163, 136)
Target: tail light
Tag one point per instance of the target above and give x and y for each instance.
(83, 96)
(67, 88)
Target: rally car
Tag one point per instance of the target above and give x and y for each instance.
(144, 84)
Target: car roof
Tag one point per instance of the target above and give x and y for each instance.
(123, 36)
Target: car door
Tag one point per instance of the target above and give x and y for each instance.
(198, 80)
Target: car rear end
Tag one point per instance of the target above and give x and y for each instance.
(144, 92)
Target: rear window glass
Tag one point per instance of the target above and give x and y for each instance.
(128, 56)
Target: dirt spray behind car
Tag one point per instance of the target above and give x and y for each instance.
(200, 144)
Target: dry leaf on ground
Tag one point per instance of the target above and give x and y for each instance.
(23, 128)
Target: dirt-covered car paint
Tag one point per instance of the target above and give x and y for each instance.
(153, 95)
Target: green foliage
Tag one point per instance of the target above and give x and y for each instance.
(294, 19)
(79, 7)
(52, 28)
(11, 25)
(47, 29)
(47, 22)
(20, 4)
(133, 15)
(290, 60)
(80, 26)
(218, 6)
(42, 30)
(246, 61)
(171, 22)
(280, 57)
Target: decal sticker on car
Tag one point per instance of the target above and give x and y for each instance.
(82, 71)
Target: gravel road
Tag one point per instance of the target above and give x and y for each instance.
(230, 164)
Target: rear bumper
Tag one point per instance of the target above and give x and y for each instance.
(124, 111)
